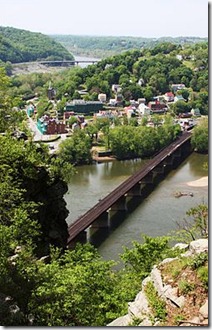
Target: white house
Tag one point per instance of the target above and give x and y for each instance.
(142, 100)
(102, 97)
(141, 82)
(178, 98)
(177, 87)
(113, 102)
(169, 97)
(179, 57)
(116, 88)
(143, 110)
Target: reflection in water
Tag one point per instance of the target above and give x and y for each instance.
(93, 182)
(155, 215)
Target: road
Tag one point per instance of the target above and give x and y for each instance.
(37, 135)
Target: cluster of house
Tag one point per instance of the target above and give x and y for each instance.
(48, 125)
(77, 108)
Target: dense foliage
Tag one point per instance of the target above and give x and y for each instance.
(53, 287)
(140, 73)
(10, 116)
(75, 288)
(155, 70)
(141, 141)
(18, 45)
(76, 149)
(199, 138)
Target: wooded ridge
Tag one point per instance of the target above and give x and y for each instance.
(18, 45)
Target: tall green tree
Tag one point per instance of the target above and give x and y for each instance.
(199, 137)
(76, 149)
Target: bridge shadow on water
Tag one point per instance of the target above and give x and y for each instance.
(116, 218)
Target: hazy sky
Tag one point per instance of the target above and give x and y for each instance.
(144, 18)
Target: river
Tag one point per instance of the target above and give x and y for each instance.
(155, 216)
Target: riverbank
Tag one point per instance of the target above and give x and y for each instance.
(99, 159)
(202, 182)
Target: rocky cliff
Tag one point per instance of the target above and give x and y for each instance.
(174, 293)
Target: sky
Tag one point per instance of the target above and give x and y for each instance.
(140, 18)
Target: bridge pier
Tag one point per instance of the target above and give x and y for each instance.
(148, 178)
(169, 161)
(136, 190)
(159, 169)
(120, 204)
(102, 221)
(177, 153)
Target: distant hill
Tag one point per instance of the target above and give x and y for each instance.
(97, 46)
(18, 46)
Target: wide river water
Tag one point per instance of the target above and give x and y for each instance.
(156, 215)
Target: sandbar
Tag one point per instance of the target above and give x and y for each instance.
(203, 182)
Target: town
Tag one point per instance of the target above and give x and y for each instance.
(76, 112)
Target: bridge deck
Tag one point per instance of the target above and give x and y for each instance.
(103, 205)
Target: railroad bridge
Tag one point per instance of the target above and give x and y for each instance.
(66, 63)
(99, 215)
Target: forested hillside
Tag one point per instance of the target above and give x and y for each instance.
(140, 73)
(24, 46)
(102, 47)
(41, 282)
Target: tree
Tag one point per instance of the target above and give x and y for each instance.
(43, 106)
(180, 107)
(92, 131)
(76, 149)
(143, 256)
(185, 93)
(199, 139)
(61, 105)
(77, 289)
(194, 226)
(5, 101)
(148, 93)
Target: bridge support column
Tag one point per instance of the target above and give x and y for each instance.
(120, 205)
(177, 153)
(169, 161)
(148, 178)
(136, 190)
(159, 169)
(177, 157)
(101, 221)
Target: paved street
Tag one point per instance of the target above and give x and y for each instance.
(37, 135)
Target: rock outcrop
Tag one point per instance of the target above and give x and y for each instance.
(139, 309)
